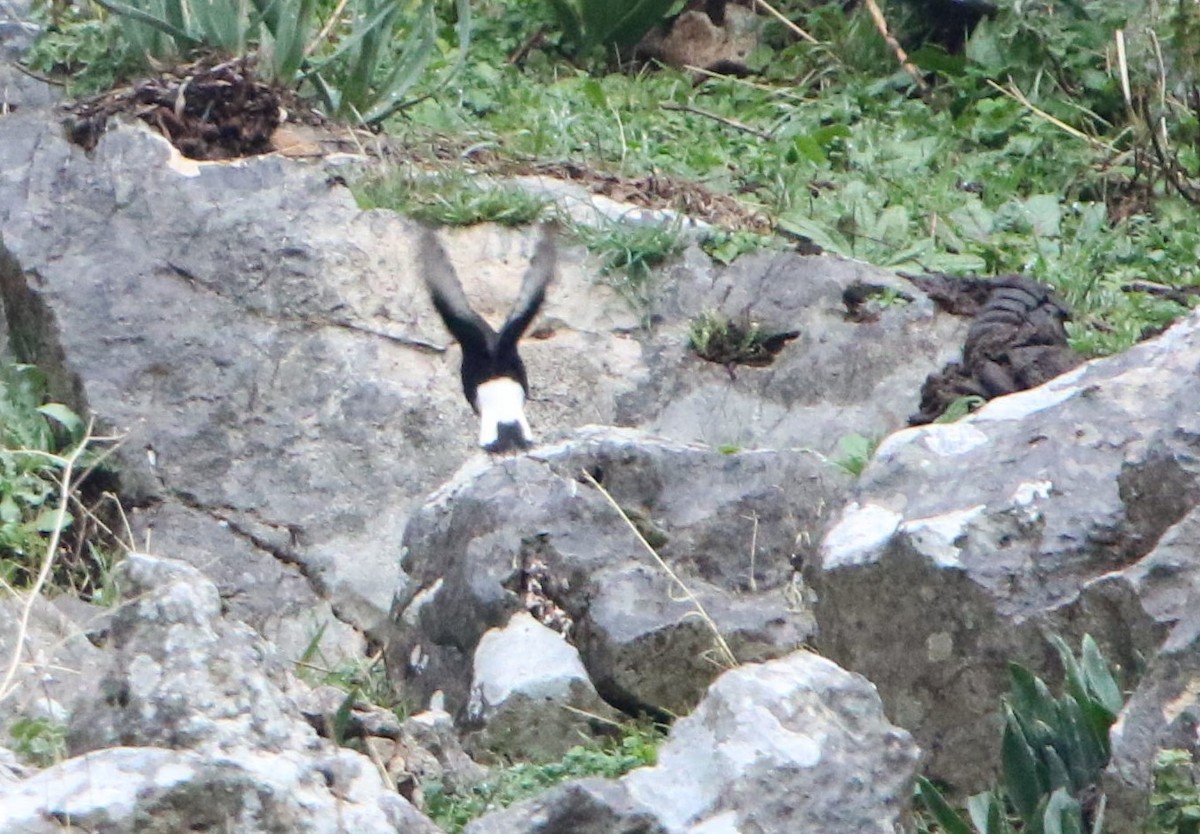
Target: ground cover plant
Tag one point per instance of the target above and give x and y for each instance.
(1023, 155)
(635, 745)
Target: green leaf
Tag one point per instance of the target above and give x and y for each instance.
(47, 520)
(1099, 678)
(946, 816)
(1020, 769)
(150, 20)
(65, 417)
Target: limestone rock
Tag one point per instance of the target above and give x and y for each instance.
(193, 725)
(528, 533)
(966, 543)
(58, 663)
(794, 744)
(530, 693)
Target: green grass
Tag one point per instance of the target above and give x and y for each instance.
(448, 198)
(628, 254)
(637, 746)
(967, 181)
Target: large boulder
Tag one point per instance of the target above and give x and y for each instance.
(795, 744)
(532, 534)
(288, 395)
(966, 544)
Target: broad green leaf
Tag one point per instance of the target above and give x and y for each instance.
(1020, 769)
(946, 817)
(1099, 678)
(65, 417)
(822, 236)
(48, 520)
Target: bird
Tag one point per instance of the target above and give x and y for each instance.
(493, 376)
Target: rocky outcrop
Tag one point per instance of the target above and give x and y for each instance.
(287, 393)
(796, 744)
(1057, 510)
(193, 725)
(531, 534)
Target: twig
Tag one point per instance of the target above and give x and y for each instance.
(1123, 68)
(1013, 92)
(753, 553)
(47, 562)
(326, 29)
(687, 108)
(796, 30)
(897, 49)
(727, 657)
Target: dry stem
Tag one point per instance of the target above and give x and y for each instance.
(728, 660)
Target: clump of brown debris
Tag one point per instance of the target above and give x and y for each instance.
(208, 110)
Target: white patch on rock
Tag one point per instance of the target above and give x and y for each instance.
(412, 612)
(954, 439)
(524, 657)
(936, 534)
(1028, 492)
(939, 647)
(861, 532)
(896, 441)
(1020, 405)
(723, 823)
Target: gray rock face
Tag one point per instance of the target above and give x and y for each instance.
(528, 534)
(841, 375)
(795, 744)
(193, 726)
(967, 542)
(18, 90)
(530, 693)
(56, 661)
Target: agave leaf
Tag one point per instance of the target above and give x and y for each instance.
(150, 20)
(1099, 677)
(407, 71)
(569, 21)
(1063, 814)
(1059, 776)
(635, 21)
(1031, 698)
(1072, 671)
(987, 813)
(946, 817)
(1020, 766)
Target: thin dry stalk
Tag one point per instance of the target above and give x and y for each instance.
(728, 660)
(1123, 68)
(1013, 92)
(901, 56)
(795, 30)
(753, 553)
(733, 123)
(64, 497)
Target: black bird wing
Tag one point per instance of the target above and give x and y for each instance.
(468, 327)
(533, 291)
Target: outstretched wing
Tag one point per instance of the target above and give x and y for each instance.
(467, 326)
(533, 290)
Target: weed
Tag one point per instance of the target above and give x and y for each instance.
(636, 746)
(450, 199)
(717, 339)
(84, 46)
(856, 452)
(39, 741)
(1175, 800)
(33, 436)
(628, 252)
